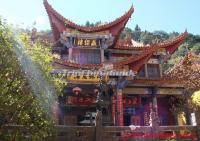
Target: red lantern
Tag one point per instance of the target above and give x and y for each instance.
(96, 92)
(76, 90)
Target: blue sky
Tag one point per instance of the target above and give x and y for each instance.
(151, 15)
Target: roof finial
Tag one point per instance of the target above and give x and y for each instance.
(132, 8)
(132, 5)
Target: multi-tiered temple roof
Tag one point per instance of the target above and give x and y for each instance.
(60, 25)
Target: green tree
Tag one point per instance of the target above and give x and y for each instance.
(196, 48)
(196, 98)
(160, 36)
(146, 37)
(18, 105)
(98, 23)
(182, 51)
(87, 23)
(127, 31)
(41, 56)
(137, 33)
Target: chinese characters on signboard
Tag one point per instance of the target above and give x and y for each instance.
(86, 42)
(71, 100)
(131, 101)
(88, 78)
(127, 101)
(93, 78)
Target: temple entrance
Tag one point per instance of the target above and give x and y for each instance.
(127, 120)
(131, 120)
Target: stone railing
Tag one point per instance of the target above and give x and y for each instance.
(116, 133)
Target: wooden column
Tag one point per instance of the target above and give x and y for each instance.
(146, 70)
(70, 54)
(197, 114)
(187, 110)
(198, 132)
(113, 109)
(160, 69)
(98, 126)
(102, 55)
(154, 116)
(120, 108)
(155, 105)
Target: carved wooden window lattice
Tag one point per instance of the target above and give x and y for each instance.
(153, 70)
(86, 56)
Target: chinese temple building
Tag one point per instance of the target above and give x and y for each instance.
(122, 77)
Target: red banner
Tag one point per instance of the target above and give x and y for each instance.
(71, 100)
(120, 108)
(127, 101)
(131, 101)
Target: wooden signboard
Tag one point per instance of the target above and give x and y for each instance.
(86, 42)
(86, 78)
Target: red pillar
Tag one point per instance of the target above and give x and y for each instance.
(113, 110)
(120, 108)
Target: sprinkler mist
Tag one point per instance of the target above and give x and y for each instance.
(41, 87)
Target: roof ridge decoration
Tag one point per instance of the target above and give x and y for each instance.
(187, 71)
(59, 23)
(171, 44)
(164, 43)
(186, 60)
